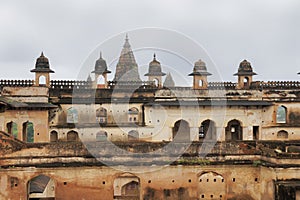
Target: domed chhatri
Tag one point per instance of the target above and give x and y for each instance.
(155, 68)
(200, 75)
(101, 66)
(245, 73)
(154, 72)
(245, 69)
(42, 65)
(42, 71)
(100, 71)
(200, 69)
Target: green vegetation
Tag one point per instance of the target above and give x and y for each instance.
(192, 161)
(257, 163)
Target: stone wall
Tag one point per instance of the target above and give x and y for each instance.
(169, 182)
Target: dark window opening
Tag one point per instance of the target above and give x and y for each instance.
(255, 132)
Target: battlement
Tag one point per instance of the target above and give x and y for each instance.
(276, 85)
(69, 84)
(221, 85)
(74, 84)
(16, 83)
(132, 84)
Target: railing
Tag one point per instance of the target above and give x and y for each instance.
(276, 85)
(221, 85)
(69, 84)
(18, 83)
(132, 84)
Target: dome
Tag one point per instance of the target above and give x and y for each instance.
(200, 69)
(245, 69)
(100, 66)
(200, 66)
(42, 64)
(155, 68)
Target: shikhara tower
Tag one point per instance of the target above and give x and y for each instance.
(127, 68)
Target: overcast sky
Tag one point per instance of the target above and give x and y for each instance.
(265, 32)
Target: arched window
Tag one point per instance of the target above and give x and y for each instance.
(133, 135)
(282, 135)
(72, 116)
(72, 136)
(28, 132)
(281, 114)
(53, 136)
(156, 82)
(181, 131)
(233, 131)
(201, 83)
(100, 80)
(12, 128)
(101, 115)
(133, 115)
(42, 80)
(246, 82)
(207, 130)
(101, 136)
(41, 187)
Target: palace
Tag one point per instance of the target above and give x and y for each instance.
(212, 140)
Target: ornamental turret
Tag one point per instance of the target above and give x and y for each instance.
(245, 73)
(200, 75)
(100, 72)
(42, 71)
(155, 73)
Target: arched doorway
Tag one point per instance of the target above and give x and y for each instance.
(181, 131)
(211, 185)
(41, 187)
(282, 134)
(101, 136)
(207, 130)
(53, 136)
(130, 189)
(127, 187)
(133, 135)
(234, 131)
(28, 132)
(72, 136)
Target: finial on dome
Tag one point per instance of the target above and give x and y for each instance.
(154, 56)
(126, 37)
(42, 54)
(101, 54)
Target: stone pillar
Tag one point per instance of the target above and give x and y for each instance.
(220, 133)
(194, 131)
(247, 133)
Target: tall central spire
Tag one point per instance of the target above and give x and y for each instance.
(127, 68)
